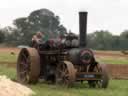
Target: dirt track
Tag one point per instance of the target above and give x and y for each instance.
(119, 71)
(110, 53)
(16, 50)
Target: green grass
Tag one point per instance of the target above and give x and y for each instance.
(115, 88)
(112, 60)
(7, 57)
(8, 71)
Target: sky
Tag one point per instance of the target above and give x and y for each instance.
(111, 15)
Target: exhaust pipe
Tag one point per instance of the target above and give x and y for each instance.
(83, 28)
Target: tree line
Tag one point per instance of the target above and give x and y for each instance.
(105, 40)
(46, 21)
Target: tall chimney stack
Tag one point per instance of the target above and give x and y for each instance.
(83, 28)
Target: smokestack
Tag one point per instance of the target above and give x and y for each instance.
(83, 28)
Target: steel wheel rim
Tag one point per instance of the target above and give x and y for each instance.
(99, 83)
(23, 66)
(65, 74)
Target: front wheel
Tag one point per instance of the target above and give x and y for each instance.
(103, 83)
(66, 73)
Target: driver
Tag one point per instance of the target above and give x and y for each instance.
(37, 38)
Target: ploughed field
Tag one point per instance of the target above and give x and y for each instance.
(8, 58)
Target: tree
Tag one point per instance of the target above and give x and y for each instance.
(100, 40)
(42, 20)
(124, 34)
(124, 40)
(2, 36)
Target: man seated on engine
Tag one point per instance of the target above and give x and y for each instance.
(37, 39)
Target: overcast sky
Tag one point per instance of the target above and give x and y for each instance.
(109, 15)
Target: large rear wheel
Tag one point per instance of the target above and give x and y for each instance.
(28, 65)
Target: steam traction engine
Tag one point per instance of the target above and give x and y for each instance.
(62, 61)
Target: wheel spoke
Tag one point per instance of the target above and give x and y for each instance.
(23, 72)
(24, 55)
(99, 84)
(24, 65)
(25, 58)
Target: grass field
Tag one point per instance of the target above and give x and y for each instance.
(115, 88)
(112, 60)
(7, 56)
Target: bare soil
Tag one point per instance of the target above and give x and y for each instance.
(16, 50)
(110, 53)
(119, 71)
